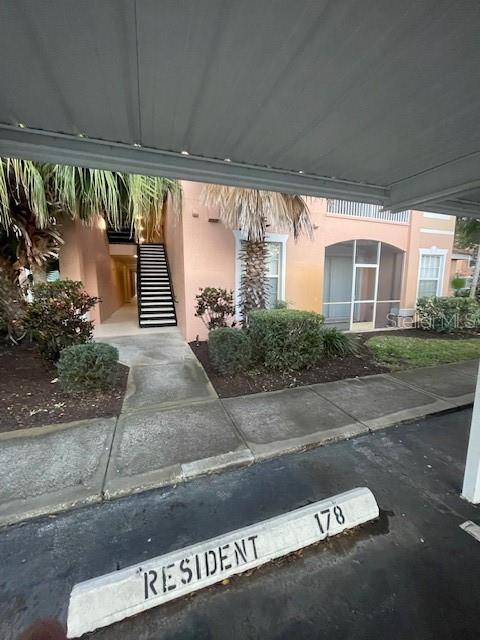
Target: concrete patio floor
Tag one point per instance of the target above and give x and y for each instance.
(173, 427)
(124, 322)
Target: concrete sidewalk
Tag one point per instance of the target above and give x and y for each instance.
(173, 427)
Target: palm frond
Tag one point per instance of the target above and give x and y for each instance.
(251, 210)
(146, 198)
(22, 181)
(84, 193)
(5, 217)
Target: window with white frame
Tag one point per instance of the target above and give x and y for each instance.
(273, 274)
(430, 274)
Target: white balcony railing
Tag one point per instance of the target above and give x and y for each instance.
(363, 210)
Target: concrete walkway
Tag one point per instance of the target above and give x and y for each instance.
(173, 427)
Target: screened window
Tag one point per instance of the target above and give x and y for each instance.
(430, 275)
(362, 284)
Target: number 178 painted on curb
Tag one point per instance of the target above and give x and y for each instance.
(324, 517)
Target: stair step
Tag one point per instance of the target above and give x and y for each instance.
(156, 302)
(152, 296)
(153, 276)
(159, 295)
(156, 307)
(168, 302)
(158, 323)
(154, 285)
(154, 282)
(151, 316)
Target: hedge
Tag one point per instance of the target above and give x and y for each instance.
(286, 339)
(229, 350)
(448, 314)
(88, 367)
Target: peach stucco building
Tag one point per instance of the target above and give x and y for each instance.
(364, 269)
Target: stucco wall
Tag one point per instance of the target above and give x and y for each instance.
(209, 253)
(85, 256)
(426, 233)
(173, 230)
(201, 253)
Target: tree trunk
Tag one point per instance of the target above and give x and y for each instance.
(12, 302)
(253, 283)
(476, 275)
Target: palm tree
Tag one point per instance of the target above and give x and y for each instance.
(467, 236)
(34, 196)
(252, 211)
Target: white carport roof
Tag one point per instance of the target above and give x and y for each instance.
(373, 100)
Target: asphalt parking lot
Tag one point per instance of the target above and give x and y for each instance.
(412, 574)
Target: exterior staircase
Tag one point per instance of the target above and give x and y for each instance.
(156, 306)
(124, 235)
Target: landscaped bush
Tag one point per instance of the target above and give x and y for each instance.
(229, 350)
(88, 367)
(458, 284)
(56, 317)
(337, 343)
(445, 315)
(286, 338)
(215, 307)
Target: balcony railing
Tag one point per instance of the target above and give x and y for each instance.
(363, 210)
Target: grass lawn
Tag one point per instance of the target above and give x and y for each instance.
(405, 353)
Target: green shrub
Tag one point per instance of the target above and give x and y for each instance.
(286, 338)
(446, 315)
(56, 317)
(458, 283)
(337, 343)
(88, 367)
(229, 350)
(214, 307)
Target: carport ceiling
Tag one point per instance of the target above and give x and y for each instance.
(375, 100)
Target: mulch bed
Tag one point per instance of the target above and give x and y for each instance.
(30, 398)
(263, 380)
(327, 370)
